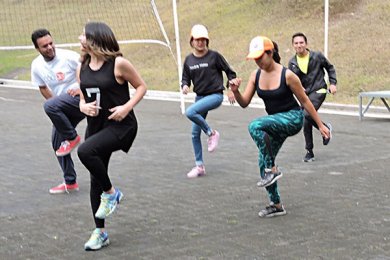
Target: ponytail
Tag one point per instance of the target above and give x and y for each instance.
(275, 54)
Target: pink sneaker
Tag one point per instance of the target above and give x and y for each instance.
(67, 146)
(213, 141)
(62, 188)
(197, 171)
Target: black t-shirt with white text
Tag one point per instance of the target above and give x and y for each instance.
(205, 73)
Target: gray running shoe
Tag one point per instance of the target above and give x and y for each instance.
(272, 211)
(269, 178)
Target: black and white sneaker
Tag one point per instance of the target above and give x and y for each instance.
(272, 211)
(269, 178)
(325, 141)
(309, 156)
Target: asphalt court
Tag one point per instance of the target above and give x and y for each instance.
(338, 206)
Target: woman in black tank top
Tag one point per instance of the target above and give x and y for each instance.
(277, 86)
(104, 76)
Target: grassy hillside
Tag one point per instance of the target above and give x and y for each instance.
(358, 39)
(358, 35)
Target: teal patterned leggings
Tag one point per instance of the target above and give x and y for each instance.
(269, 133)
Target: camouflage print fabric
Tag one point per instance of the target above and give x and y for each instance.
(269, 133)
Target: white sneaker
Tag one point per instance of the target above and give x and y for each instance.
(97, 240)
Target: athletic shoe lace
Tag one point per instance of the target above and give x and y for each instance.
(66, 187)
(65, 144)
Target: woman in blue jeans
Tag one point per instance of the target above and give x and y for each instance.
(278, 87)
(204, 67)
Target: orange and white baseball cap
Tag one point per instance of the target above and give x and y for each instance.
(199, 31)
(258, 46)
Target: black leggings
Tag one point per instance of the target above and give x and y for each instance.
(95, 154)
(317, 99)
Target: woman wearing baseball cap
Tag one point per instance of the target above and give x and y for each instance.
(204, 67)
(277, 86)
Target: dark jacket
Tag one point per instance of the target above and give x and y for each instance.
(314, 79)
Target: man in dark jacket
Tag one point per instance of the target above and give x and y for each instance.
(310, 67)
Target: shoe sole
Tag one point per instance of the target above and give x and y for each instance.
(63, 191)
(273, 214)
(310, 160)
(212, 150)
(193, 177)
(105, 243)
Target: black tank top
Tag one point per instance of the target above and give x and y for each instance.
(101, 85)
(277, 100)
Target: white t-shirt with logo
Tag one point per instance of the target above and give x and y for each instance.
(58, 74)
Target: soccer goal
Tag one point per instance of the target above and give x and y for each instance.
(144, 28)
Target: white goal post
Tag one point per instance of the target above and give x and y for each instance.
(133, 22)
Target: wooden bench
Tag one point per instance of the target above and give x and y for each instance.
(372, 95)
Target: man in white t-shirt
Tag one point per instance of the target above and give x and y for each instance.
(54, 72)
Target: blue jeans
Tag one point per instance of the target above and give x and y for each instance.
(197, 113)
(65, 114)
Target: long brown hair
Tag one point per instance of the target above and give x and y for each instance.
(101, 41)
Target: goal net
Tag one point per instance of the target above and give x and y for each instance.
(145, 29)
(135, 21)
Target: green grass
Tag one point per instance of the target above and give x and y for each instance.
(16, 63)
(358, 40)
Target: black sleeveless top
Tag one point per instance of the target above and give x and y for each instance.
(277, 100)
(101, 85)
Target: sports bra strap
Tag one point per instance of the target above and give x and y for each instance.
(257, 78)
(283, 77)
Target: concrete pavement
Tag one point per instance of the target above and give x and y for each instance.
(338, 206)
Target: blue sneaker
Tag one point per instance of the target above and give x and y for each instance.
(108, 203)
(97, 240)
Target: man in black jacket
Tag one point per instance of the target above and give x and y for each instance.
(310, 67)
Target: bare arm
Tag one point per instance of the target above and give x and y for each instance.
(45, 91)
(296, 87)
(125, 71)
(245, 98)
